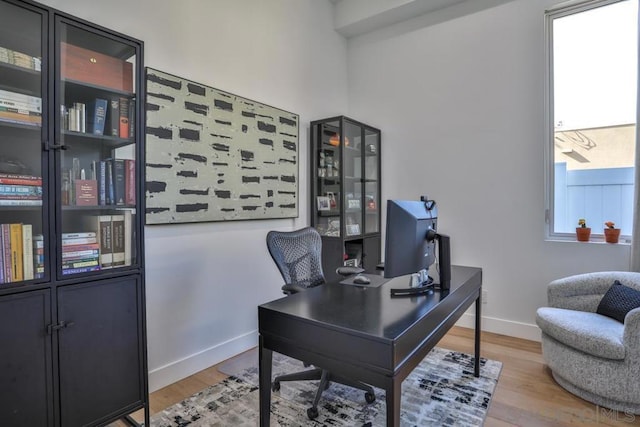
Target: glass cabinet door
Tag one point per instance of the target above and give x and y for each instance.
(328, 161)
(96, 141)
(370, 179)
(22, 132)
(354, 191)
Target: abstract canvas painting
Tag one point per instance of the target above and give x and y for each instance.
(215, 156)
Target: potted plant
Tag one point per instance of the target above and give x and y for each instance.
(611, 233)
(582, 231)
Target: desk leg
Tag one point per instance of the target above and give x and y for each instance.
(476, 368)
(264, 359)
(394, 393)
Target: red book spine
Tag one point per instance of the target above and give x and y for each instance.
(20, 181)
(124, 118)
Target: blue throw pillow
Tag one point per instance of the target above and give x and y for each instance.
(618, 301)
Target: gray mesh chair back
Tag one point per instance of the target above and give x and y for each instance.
(298, 255)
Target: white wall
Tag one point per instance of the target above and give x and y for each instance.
(204, 281)
(460, 101)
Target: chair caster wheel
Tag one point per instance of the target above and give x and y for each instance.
(312, 413)
(275, 386)
(369, 397)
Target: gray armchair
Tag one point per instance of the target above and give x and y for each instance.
(592, 356)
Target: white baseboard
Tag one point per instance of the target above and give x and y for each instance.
(175, 371)
(501, 326)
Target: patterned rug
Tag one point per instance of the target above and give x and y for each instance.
(441, 391)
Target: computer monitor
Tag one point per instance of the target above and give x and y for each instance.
(408, 249)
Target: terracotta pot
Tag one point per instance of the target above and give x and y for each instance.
(583, 234)
(611, 235)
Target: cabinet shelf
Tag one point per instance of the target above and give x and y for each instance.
(75, 85)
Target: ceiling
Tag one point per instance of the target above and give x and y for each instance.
(356, 17)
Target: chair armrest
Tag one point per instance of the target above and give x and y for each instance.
(348, 271)
(631, 335)
(290, 288)
(583, 292)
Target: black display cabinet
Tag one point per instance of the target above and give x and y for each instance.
(345, 193)
(72, 302)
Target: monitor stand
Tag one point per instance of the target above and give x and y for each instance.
(444, 262)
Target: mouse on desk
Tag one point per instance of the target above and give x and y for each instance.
(361, 280)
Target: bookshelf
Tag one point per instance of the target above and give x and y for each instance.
(345, 193)
(71, 220)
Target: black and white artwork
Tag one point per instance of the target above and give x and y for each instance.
(215, 156)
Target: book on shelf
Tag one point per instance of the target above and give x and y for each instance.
(27, 251)
(128, 237)
(83, 254)
(124, 118)
(109, 190)
(6, 252)
(118, 233)
(79, 241)
(105, 238)
(86, 192)
(97, 116)
(20, 117)
(38, 257)
(119, 185)
(132, 117)
(15, 105)
(15, 231)
(130, 182)
(18, 189)
(114, 117)
(19, 59)
(80, 269)
(20, 181)
(84, 262)
(33, 103)
(81, 234)
(102, 183)
(20, 202)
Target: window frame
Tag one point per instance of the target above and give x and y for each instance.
(559, 11)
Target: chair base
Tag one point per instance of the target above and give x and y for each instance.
(326, 378)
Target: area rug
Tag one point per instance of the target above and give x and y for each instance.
(441, 391)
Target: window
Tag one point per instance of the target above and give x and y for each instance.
(592, 91)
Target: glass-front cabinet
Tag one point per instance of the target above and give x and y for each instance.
(72, 319)
(96, 150)
(23, 127)
(345, 192)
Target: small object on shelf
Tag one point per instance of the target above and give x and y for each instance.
(323, 203)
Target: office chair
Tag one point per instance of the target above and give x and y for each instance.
(298, 255)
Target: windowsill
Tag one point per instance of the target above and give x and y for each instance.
(598, 240)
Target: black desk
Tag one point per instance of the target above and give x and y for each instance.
(363, 333)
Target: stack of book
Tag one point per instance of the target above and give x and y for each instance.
(80, 252)
(20, 108)
(16, 252)
(19, 59)
(20, 190)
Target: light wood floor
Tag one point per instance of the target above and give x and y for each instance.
(526, 394)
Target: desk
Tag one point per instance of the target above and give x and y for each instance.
(363, 333)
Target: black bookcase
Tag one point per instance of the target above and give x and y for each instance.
(72, 299)
(345, 193)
